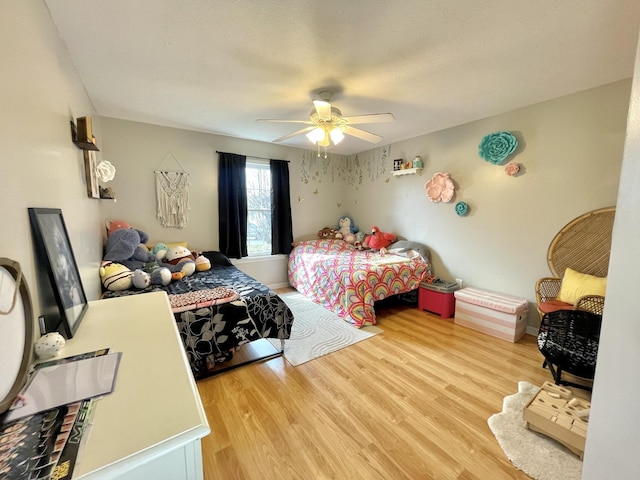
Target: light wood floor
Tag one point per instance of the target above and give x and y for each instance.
(410, 403)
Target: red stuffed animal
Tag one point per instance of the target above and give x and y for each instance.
(379, 240)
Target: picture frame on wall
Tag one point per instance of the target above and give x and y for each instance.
(93, 188)
(56, 260)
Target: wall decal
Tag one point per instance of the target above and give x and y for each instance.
(496, 147)
(512, 169)
(440, 188)
(462, 208)
(352, 169)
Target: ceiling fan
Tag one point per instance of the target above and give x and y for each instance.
(327, 125)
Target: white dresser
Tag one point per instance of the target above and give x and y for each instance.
(151, 425)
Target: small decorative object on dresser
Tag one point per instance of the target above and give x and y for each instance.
(49, 345)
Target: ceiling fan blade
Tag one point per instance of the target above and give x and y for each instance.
(298, 132)
(361, 134)
(275, 120)
(371, 118)
(323, 109)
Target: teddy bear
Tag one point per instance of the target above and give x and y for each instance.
(327, 232)
(125, 245)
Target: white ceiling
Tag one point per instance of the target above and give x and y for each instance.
(218, 65)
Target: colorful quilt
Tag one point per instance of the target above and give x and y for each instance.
(347, 281)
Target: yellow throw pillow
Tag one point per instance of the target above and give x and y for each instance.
(170, 245)
(576, 285)
(177, 244)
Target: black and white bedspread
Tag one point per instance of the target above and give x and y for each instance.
(212, 331)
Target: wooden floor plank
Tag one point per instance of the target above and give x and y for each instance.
(409, 403)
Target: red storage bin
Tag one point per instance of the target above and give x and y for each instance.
(441, 303)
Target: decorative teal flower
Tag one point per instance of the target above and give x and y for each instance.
(462, 208)
(495, 147)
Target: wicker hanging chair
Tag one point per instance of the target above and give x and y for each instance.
(584, 245)
(569, 334)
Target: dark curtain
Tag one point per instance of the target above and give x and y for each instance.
(232, 204)
(281, 226)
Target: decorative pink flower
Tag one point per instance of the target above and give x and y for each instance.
(511, 168)
(440, 188)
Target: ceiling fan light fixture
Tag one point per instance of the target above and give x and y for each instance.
(336, 135)
(326, 125)
(316, 135)
(326, 141)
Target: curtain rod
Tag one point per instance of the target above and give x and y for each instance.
(255, 156)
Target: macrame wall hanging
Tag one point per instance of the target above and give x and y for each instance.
(172, 194)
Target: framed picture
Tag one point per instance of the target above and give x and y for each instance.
(93, 189)
(56, 259)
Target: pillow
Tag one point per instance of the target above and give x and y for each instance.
(403, 246)
(169, 245)
(217, 258)
(177, 244)
(576, 285)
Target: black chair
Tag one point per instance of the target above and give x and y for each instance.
(568, 340)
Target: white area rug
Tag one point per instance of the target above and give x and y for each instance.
(316, 331)
(536, 455)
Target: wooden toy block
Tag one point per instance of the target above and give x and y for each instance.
(555, 413)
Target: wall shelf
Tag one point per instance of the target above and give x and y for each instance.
(407, 171)
(82, 136)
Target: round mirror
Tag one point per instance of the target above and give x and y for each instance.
(16, 331)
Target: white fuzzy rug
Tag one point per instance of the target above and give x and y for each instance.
(536, 455)
(316, 331)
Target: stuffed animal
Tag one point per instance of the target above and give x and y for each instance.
(327, 232)
(141, 279)
(160, 250)
(179, 260)
(359, 243)
(347, 229)
(202, 263)
(115, 276)
(125, 245)
(379, 240)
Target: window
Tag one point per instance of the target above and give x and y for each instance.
(258, 207)
(253, 197)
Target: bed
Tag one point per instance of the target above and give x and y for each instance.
(348, 281)
(219, 310)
